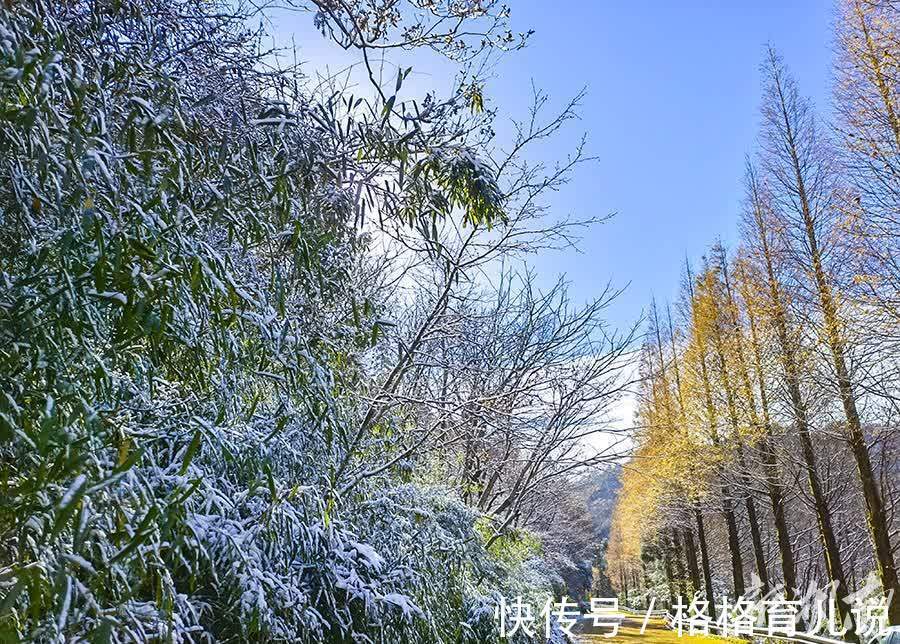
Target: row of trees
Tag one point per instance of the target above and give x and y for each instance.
(768, 421)
(266, 370)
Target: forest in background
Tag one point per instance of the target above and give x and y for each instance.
(272, 364)
(767, 434)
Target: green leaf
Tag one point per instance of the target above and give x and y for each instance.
(191, 451)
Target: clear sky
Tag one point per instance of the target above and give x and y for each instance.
(672, 108)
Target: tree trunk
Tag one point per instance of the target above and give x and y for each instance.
(667, 566)
(704, 562)
(680, 576)
(770, 461)
(823, 514)
(691, 552)
(875, 513)
(788, 358)
(873, 56)
(755, 536)
(734, 543)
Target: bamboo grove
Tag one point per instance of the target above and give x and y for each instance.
(766, 441)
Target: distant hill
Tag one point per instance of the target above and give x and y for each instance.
(603, 488)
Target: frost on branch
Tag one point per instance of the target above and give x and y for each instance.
(186, 339)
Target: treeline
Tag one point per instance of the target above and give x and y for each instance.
(768, 426)
(270, 366)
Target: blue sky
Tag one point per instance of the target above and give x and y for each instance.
(672, 108)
